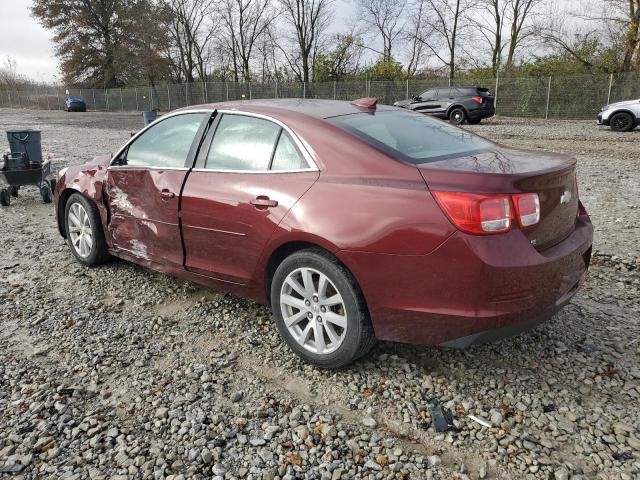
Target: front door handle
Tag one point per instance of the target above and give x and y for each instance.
(166, 193)
(261, 202)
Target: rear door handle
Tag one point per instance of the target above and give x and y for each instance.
(262, 202)
(166, 193)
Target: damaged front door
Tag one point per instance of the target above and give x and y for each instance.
(143, 190)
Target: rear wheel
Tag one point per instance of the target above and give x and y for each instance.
(457, 116)
(319, 310)
(84, 231)
(13, 190)
(622, 122)
(45, 192)
(5, 197)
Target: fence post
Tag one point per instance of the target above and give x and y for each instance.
(121, 102)
(186, 89)
(546, 112)
(106, 100)
(334, 89)
(495, 95)
(304, 89)
(249, 90)
(37, 99)
(276, 92)
(226, 85)
(610, 87)
(46, 96)
(93, 94)
(168, 98)
(407, 89)
(137, 107)
(204, 92)
(151, 97)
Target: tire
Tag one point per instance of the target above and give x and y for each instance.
(622, 122)
(13, 191)
(96, 253)
(341, 345)
(45, 192)
(474, 121)
(5, 198)
(457, 116)
(53, 182)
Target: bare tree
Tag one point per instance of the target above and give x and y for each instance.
(192, 31)
(416, 29)
(447, 22)
(519, 13)
(385, 17)
(309, 20)
(244, 22)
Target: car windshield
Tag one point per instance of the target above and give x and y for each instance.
(411, 136)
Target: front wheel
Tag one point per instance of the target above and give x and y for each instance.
(5, 197)
(622, 122)
(457, 116)
(84, 231)
(319, 309)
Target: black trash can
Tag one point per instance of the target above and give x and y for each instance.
(149, 117)
(26, 142)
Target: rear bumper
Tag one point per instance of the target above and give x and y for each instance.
(472, 288)
(483, 112)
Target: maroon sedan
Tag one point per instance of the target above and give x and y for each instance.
(354, 222)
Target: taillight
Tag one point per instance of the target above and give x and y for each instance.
(477, 213)
(477, 99)
(489, 213)
(527, 208)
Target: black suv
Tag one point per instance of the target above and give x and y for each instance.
(457, 104)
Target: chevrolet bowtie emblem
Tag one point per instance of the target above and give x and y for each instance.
(565, 197)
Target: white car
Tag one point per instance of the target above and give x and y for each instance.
(621, 116)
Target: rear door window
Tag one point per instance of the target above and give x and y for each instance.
(411, 136)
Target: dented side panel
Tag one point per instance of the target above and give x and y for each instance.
(143, 205)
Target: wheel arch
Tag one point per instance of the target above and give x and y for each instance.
(457, 105)
(624, 110)
(284, 250)
(61, 206)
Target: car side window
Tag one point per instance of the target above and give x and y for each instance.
(242, 142)
(287, 156)
(167, 143)
(428, 94)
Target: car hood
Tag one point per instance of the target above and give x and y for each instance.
(402, 103)
(621, 104)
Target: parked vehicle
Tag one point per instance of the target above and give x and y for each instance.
(356, 222)
(456, 104)
(620, 116)
(74, 104)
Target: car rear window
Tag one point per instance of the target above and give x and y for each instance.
(412, 137)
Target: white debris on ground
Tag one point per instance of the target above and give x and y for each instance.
(119, 372)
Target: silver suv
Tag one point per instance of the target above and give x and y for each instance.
(621, 116)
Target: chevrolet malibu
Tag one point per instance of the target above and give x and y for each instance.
(354, 221)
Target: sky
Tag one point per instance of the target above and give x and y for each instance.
(26, 42)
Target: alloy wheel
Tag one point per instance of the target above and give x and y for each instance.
(621, 122)
(313, 310)
(80, 231)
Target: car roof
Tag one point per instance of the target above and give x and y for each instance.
(316, 108)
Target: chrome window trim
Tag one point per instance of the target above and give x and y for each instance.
(296, 170)
(312, 166)
(155, 122)
(141, 167)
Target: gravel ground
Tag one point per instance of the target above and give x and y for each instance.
(119, 372)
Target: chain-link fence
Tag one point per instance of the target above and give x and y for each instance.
(577, 96)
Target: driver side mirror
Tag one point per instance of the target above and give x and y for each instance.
(417, 98)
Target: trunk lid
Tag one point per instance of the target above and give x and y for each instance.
(504, 170)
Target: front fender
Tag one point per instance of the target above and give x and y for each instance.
(88, 180)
